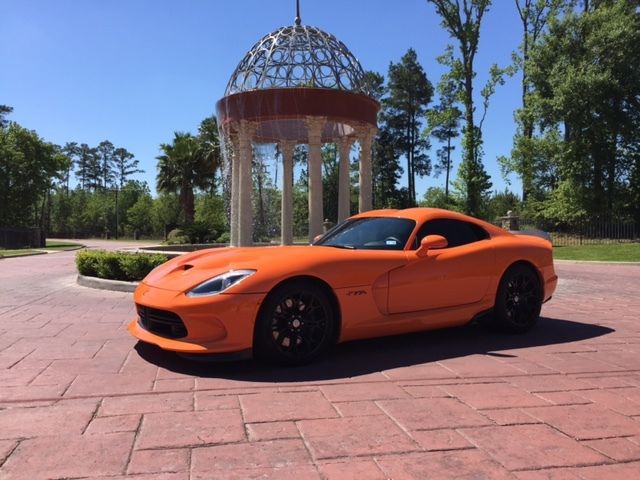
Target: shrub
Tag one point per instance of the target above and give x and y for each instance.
(224, 238)
(176, 237)
(117, 265)
(199, 232)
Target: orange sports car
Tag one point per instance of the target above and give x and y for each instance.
(383, 272)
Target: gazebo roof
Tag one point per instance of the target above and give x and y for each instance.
(298, 56)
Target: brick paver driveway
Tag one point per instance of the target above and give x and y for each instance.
(79, 398)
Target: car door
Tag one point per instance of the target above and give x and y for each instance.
(456, 275)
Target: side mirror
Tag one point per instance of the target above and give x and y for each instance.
(431, 242)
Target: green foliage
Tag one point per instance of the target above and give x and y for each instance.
(436, 197)
(176, 237)
(165, 213)
(138, 218)
(463, 24)
(224, 238)
(117, 265)
(500, 203)
(199, 232)
(28, 167)
(386, 172)
(190, 163)
(410, 92)
(577, 144)
(443, 121)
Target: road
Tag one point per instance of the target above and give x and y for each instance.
(79, 398)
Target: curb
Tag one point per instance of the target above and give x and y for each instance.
(104, 284)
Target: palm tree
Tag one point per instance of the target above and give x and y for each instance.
(182, 169)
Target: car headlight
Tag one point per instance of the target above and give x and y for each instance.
(220, 283)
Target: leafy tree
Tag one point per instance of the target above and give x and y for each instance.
(373, 84)
(443, 121)
(387, 172)
(165, 213)
(463, 24)
(88, 170)
(124, 165)
(71, 150)
(4, 111)
(410, 92)
(28, 167)
(500, 203)
(105, 153)
(534, 15)
(182, 170)
(585, 85)
(436, 197)
(138, 220)
(209, 147)
(210, 212)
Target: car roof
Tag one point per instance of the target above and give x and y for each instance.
(422, 214)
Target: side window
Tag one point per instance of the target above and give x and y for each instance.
(455, 231)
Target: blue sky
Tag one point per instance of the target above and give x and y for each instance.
(135, 71)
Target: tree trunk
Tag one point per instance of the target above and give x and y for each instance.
(446, 185)
(470, 140)
(186, 199)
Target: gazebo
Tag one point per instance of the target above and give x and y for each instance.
(297, 85)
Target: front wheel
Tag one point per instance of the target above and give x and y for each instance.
(519, 300)
(296, 324)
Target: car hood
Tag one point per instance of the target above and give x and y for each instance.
(340, 268)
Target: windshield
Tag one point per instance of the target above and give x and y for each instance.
(373, 233)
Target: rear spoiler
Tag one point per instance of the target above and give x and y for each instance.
(533, 233)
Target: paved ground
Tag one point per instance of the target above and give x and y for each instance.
(79, 398)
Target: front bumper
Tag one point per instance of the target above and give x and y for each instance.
(218, 324)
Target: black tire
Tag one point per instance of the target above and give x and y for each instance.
(518, 301)
(295, 325)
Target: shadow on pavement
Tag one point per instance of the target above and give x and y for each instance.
(370, 356)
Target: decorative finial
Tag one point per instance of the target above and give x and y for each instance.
(298, 20)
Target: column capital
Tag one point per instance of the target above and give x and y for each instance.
(287, 147)
(314, 129)
(366, 133)
(346, 142)
(247, 128)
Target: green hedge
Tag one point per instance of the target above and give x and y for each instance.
(117, 265)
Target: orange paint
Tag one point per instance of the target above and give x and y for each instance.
(378, 292)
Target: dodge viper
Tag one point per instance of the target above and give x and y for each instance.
(383, 272)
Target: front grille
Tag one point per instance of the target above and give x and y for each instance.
(161, 322)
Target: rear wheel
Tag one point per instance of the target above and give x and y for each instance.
(519, 300)
(296, 324)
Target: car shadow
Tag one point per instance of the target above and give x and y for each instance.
(363, 357)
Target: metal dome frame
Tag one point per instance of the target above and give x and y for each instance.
(298, 56)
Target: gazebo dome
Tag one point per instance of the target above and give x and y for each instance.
(297, 85)
(298, 56)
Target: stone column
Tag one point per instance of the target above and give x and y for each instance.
(344, 185)
(235, 188)
(314, 135)
(245, 217)
(365, 137)
(286, 220)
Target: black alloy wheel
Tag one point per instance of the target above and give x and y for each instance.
(519, 300)
(295, 325)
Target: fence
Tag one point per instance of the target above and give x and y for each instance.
(587, 232)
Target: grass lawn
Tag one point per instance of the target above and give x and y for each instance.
(616, 252)
(53, 245)
(20, 252)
